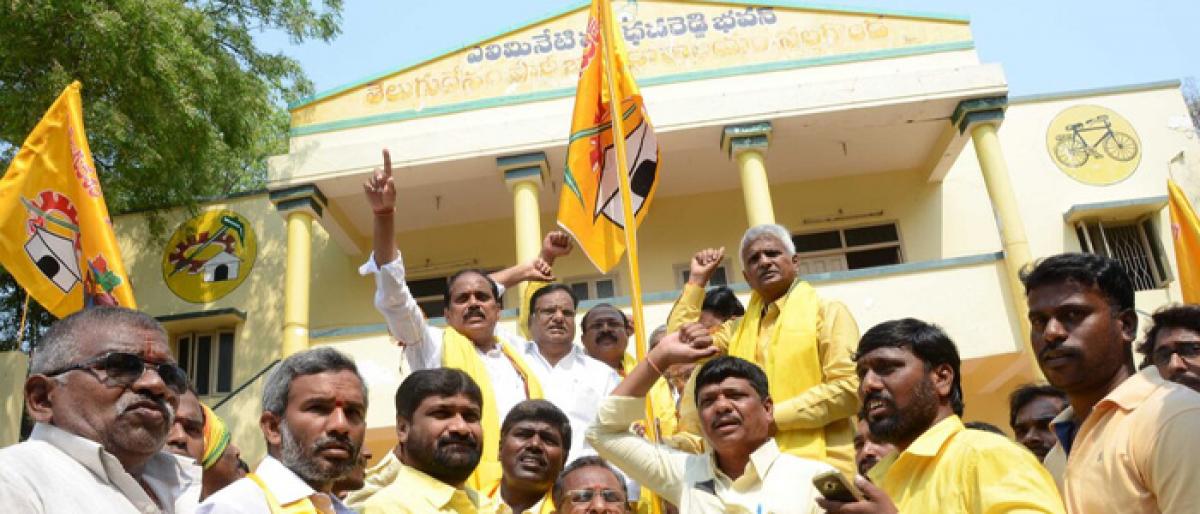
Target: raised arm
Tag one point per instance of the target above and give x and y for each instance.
(687, 308)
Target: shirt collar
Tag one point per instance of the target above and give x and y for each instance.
(84, 451)
(575, 356)
(1135, 389)
(930, 443)
(1065, 428)
(760, 462)
(439, 494)
(284, 483)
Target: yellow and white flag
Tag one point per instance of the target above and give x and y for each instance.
(590, 206)
(1185, 230)
(55, 235)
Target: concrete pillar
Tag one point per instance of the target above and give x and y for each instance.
(747, 145)
(300, 206)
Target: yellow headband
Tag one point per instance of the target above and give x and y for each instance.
(216, 437)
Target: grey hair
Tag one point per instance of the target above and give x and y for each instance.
(656, 336)
(311, 362)
(769, 230)
(59, 347)
(587, 461)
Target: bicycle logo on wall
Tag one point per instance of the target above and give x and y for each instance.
(1093, 145)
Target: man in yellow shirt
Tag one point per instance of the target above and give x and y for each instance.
(1124, 442)
(438, 415)
(535, 441)
(910, 383)
(802, 341)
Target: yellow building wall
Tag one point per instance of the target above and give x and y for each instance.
(13, 368)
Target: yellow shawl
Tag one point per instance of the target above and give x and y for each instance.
(460, 353)
(793, 362)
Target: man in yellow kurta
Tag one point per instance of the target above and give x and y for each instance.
(911, 389)
(804, 343)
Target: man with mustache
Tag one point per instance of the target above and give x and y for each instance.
(1173, 344)
(911, 390)
(571, 380)
(605, 337)
(868, 450)
(469, 341)
(1031, 409)
(102, 391)
(198, 433)
(802, 341)
(743, 470)
(590, 486)
(535, 442)
(314, 420)
(1123, 441)
(441, 439)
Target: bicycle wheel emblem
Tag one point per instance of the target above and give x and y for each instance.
(1093, 145)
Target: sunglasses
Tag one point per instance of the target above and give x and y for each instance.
(586, 495)
(124, 369)
(1186, 351)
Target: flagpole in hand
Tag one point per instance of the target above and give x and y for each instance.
(615, 114)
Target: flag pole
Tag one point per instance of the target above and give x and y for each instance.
(618, 131)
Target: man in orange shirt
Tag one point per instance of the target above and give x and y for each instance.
(1124, 441)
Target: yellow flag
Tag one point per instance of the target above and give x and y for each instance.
(55, 235)
(1185, 230)
(590, 205)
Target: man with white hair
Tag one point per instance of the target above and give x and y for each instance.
(314, 420)
(804, 343)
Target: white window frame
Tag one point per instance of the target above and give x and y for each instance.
(214, 362)
(591, 281)
(897, 244)
(683, 270)
(1160, 269)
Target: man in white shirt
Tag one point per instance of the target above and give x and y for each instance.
(571, 380)
(742, 469)
(314, 420)
(103, 389)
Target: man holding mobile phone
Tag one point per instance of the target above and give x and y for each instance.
(911, 389)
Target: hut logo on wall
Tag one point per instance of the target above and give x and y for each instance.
(209, 255)
(1093, 145)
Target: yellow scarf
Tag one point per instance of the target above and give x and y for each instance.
(458, 352)
(793, 362)
(301, 506)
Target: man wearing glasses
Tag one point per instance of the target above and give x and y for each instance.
(590, 485)
(1173, 344)
(103, 389)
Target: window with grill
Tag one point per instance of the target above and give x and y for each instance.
(593, 288)
(720, 276)
(208, 359)
(1134, 244)
(848, 248)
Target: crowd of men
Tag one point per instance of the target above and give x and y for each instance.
(780, 406)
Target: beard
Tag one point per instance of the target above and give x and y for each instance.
(439, 459)
(305, 462)
(906, 425)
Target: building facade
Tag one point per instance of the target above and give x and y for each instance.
(913, 184)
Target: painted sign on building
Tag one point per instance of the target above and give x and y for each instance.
(1093, 145)
(209, 255)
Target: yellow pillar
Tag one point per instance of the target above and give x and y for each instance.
(527, 218)
(300, 206)
(296, 282)
(747, 144)
(982, 117)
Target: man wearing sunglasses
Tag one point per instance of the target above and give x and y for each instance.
(590, 485)
(103, 389)
(1173, 344)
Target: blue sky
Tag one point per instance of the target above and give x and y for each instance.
(1044, 46)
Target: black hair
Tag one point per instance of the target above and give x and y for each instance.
(543, 411)
(722, 302)
(439, 382)
(547, 289)
(1170, 316)
(454, 278)
(583, 322)
(717, 370)
(985, 426)
(926, 340)
(1086, 269)
(1025, 394)
(587, 461)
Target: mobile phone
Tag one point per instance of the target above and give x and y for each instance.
(833, 486)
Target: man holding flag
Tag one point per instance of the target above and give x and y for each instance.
(55, 235)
